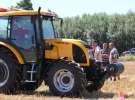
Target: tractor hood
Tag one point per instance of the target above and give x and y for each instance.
(66, 48)
(66, 41)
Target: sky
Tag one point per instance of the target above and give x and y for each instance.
(70, 8)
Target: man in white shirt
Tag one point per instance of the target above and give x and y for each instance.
(96, 51)
(113, 58)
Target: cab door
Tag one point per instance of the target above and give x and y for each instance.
(23, 36)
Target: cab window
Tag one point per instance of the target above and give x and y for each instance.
(3, 27)
(22, 31)
(48, 30)
(22, 35)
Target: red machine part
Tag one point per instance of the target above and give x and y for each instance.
(3, 10)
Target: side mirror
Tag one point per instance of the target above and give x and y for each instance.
(61, 22)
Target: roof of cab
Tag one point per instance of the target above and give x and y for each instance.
(15, 12)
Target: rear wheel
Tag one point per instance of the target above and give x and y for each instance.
(8, 73)
(65, 78)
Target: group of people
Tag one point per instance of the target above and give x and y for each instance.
(108, 54)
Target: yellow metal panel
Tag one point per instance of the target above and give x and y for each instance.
(16, 53)
(25, 12)
(52, 54)
(60, 49)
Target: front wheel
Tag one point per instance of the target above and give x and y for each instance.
(65, 78)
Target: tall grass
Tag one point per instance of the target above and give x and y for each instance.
(127, 58)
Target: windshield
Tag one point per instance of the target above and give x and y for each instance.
(48, 30)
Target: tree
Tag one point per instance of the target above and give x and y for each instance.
(118, 28)
(24, 4)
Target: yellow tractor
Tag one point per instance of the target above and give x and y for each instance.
(31, 52)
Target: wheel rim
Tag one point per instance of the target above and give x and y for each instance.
(4, 73)
(63, 80)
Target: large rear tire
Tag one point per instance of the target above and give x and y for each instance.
(66, 78)
(9, 77)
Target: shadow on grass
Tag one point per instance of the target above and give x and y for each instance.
(94, 95)
(99, 94)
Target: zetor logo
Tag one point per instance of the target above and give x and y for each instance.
(65, 43)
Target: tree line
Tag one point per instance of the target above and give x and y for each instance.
(117, 28)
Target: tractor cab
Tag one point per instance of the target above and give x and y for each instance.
(27, 30)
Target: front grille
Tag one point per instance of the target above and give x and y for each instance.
(78, 55)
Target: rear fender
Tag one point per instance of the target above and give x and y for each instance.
(14, 50)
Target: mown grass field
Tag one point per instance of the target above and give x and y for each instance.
(127, 58)
(108, 92)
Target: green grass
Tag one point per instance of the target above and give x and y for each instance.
(127, 58)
